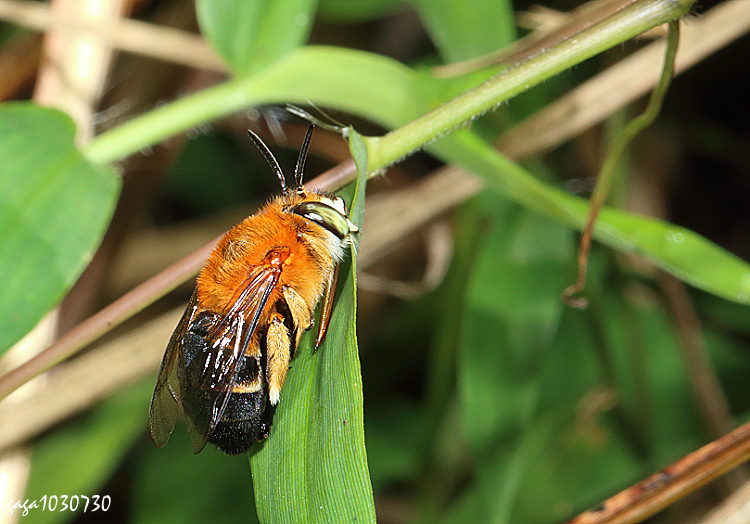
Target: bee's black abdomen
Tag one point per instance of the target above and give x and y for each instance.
(247, 417)
(243, 423)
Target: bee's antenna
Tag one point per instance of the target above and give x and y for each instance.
(263, 148)
(299, 169)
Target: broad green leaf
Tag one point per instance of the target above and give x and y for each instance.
(78, 458)
(454, 27)
(54, 207)
(250, 34)
(317, 445)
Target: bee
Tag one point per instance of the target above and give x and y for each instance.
(227, 359)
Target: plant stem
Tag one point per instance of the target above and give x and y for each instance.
(623, 25)
(608, 171)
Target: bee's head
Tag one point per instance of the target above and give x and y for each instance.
(329, 212)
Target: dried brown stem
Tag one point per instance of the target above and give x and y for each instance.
(162, 43)
(653, 494)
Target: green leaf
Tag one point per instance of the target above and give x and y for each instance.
(453, 26)
(54, 207)
(78, 458)
(313, 466)
(250, 34)
(682, 252)
(366, 84)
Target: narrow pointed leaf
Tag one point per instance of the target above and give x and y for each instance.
(313, 467)
(681, 252)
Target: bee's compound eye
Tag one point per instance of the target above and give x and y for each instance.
(325, 216)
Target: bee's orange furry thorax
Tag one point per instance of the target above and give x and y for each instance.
(271, 236)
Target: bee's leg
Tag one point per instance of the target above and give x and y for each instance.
(300, 312)
(278, 346)
(325, 316)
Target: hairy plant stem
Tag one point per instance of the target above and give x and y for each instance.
(627, 23)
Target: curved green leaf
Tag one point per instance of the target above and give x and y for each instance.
(682, 252)
(317, 444)
(54, 207)
(249, 35)
(366, 84)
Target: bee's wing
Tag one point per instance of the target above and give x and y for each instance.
(226, 344)
(162, 412)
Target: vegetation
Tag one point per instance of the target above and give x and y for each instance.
(456, 383)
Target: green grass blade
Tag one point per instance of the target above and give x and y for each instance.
(313, 467)
(54, 207)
